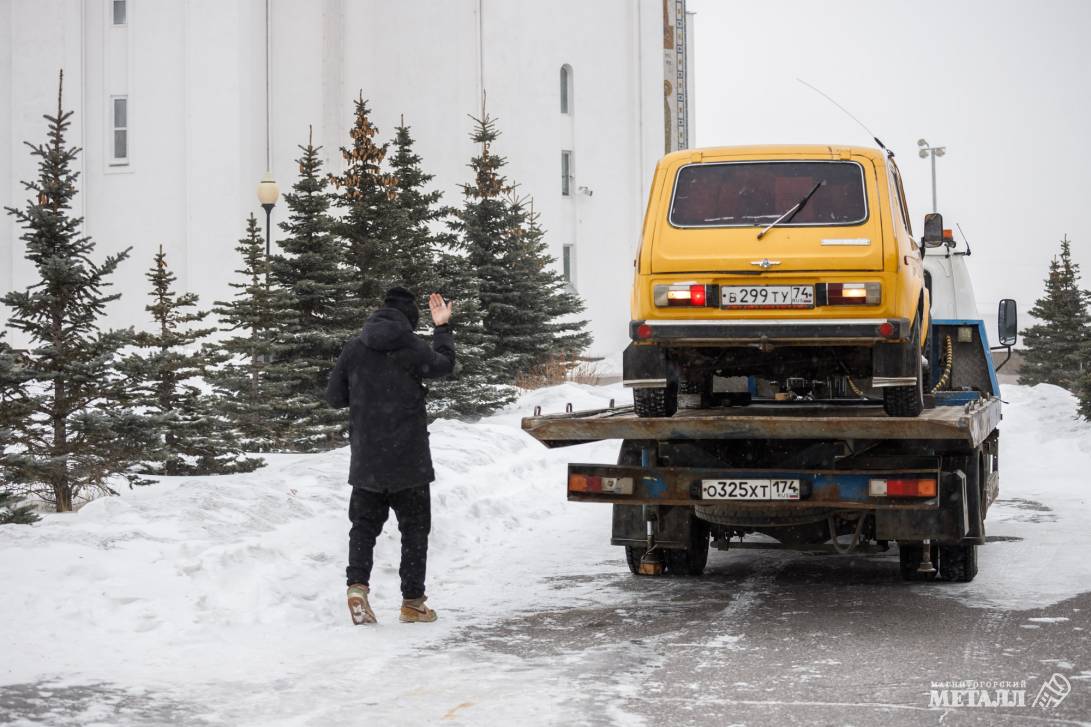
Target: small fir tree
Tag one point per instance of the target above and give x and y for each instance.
(365, 195)
(14, 403)
(81, 440)
(417, 211)
(326, 311)
(14, 511)
(1083, 392)
(1058, 348)
(166, 372)
(553, 309)
(14, 409)
(251, 387)
(477, 387)
(482, 225)
(527, 310)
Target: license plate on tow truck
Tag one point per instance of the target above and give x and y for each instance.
(749, 489)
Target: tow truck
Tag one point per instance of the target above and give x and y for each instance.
(749, 466)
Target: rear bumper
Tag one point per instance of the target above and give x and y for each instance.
(673, 493)
(682, 486)
(772, 332)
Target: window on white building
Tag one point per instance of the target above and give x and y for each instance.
(566, 89)
(120, 12)
(119, 116)
(568, 263)
(566, 173)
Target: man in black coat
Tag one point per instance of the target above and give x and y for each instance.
(378, 376)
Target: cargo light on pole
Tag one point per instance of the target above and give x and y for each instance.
(932, 151)
(268, 192)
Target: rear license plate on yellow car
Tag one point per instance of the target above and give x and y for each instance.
(767, 296)
(749, 489)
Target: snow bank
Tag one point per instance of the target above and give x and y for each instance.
(238, 580)
(1040, 528)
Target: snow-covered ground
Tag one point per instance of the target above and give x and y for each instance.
(220, 599)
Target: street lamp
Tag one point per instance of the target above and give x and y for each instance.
(268, 192)
(933, 151)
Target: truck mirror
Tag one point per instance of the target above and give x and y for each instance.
(1007, 325)
(933, 230)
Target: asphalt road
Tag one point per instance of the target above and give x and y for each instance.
(779, 638)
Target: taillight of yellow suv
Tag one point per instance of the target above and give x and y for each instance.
(685, 295)
(848, 294)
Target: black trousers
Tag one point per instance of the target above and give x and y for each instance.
(368, 511)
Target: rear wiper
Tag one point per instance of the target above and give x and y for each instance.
(793, 209)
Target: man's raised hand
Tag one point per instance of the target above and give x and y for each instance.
(441, 310)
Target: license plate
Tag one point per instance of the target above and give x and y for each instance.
(750, 489)
(767, 296)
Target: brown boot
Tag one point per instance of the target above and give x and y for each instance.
(359, 608)
(414, 611)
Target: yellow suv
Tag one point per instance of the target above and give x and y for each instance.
(794, 266)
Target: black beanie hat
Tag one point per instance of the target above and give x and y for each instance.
(402, 300)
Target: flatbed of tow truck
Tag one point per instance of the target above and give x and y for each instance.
(970, 423)
(800, 472)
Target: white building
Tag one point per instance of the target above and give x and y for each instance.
(181, 107)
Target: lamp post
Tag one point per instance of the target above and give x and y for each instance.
(268, 192)
(933, 151)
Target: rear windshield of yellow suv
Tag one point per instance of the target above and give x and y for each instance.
(741, 194)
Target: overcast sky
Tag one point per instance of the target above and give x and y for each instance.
(1005, 86)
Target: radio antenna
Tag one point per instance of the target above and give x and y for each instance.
(964, 238)
(847, 113)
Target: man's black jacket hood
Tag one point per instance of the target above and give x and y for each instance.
(379, 377)
(387, 330)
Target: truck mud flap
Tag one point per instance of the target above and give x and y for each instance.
(950, 523)
(644, 366)
(894, 362)
(671, 526)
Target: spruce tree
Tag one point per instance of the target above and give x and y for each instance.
(1058, 348)
(322, 297)
(251, 387)
(13, 511)
(553, 309)
(166, 372)
(482, 225)
(477, 387)
(365, 195)
(417, 210)
(1083, 391)
(527, 310)
(81, 440)
(14, 409)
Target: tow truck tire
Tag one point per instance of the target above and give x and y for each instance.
(907, 401)
(909, 558)
(690, 561)
(633, 554)
(958, 563)
(657, 402)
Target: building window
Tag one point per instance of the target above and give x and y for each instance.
(120, 12)
(120, 124)
(566, 173)
(566, 89)
(568, 263)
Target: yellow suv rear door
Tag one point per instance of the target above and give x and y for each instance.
(715, 210)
